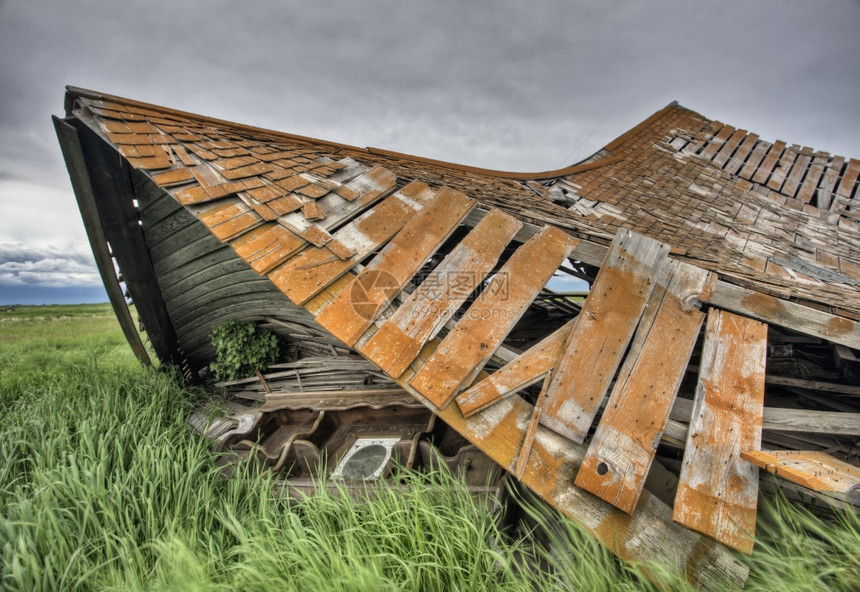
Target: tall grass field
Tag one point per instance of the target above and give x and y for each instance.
(103, 486)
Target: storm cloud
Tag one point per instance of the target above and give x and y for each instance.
(22, 265)
(502, 84)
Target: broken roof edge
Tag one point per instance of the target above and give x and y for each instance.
(583, 165)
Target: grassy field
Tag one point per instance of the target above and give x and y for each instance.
(104, 487)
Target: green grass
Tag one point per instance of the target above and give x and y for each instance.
(104, 487)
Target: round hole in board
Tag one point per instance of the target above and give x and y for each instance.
(602, 468)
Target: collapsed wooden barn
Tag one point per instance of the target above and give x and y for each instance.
(720, 327)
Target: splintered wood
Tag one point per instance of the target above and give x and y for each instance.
(518, 374)
(465, 350)
(626, 439)
(718, 490)
(597, 343)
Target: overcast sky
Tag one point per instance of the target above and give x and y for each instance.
(526, 85)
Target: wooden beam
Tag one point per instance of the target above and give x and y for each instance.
(818, 471)
(787, 314)
(718, 491)
(622, 450)
(486, 323)
(74, 156)
(596, 344)
(521, 372)
(777, 419)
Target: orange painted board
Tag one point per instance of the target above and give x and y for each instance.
(253, 170)
(596, 345)
(475, 337)
(267, 246)
(718, 490)
(183, 155)
(525, 370)
(622, 450)
(385, 276)
(308, 273)
(423, 314)
(827, 186)
(173, 177)
(370, 187)
(531, 432)
(816, 470)
(500, 431)
(229, 219)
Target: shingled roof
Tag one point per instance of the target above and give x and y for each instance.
(780, 218)
(210, 220)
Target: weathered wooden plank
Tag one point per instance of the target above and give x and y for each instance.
(737, 160)
(372, 290)
(718, 490)
(267, 246)
(491, 317)
(175, 224)
(800, 168)
(596, 345)
(221, 293)
(307, 274)
(777, 419)
(85, 194)
(810, 182)
(524, 371)
(185, 276)
(623, 447)
(440, 295)
(767, 165)
(755, 158)
(729, 147)
(531, 431)
(717, 142)
(786, 314)
(173, 177)
(816, 470)
(499, 431)
(816, 385)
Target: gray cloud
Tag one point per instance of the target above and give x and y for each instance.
(503, 84)
(22, 264)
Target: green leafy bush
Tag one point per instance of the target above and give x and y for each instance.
(241, 347)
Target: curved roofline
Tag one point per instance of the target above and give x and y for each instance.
(579, 167)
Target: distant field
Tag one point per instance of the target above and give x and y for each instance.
(103, 486)
(77, 323)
